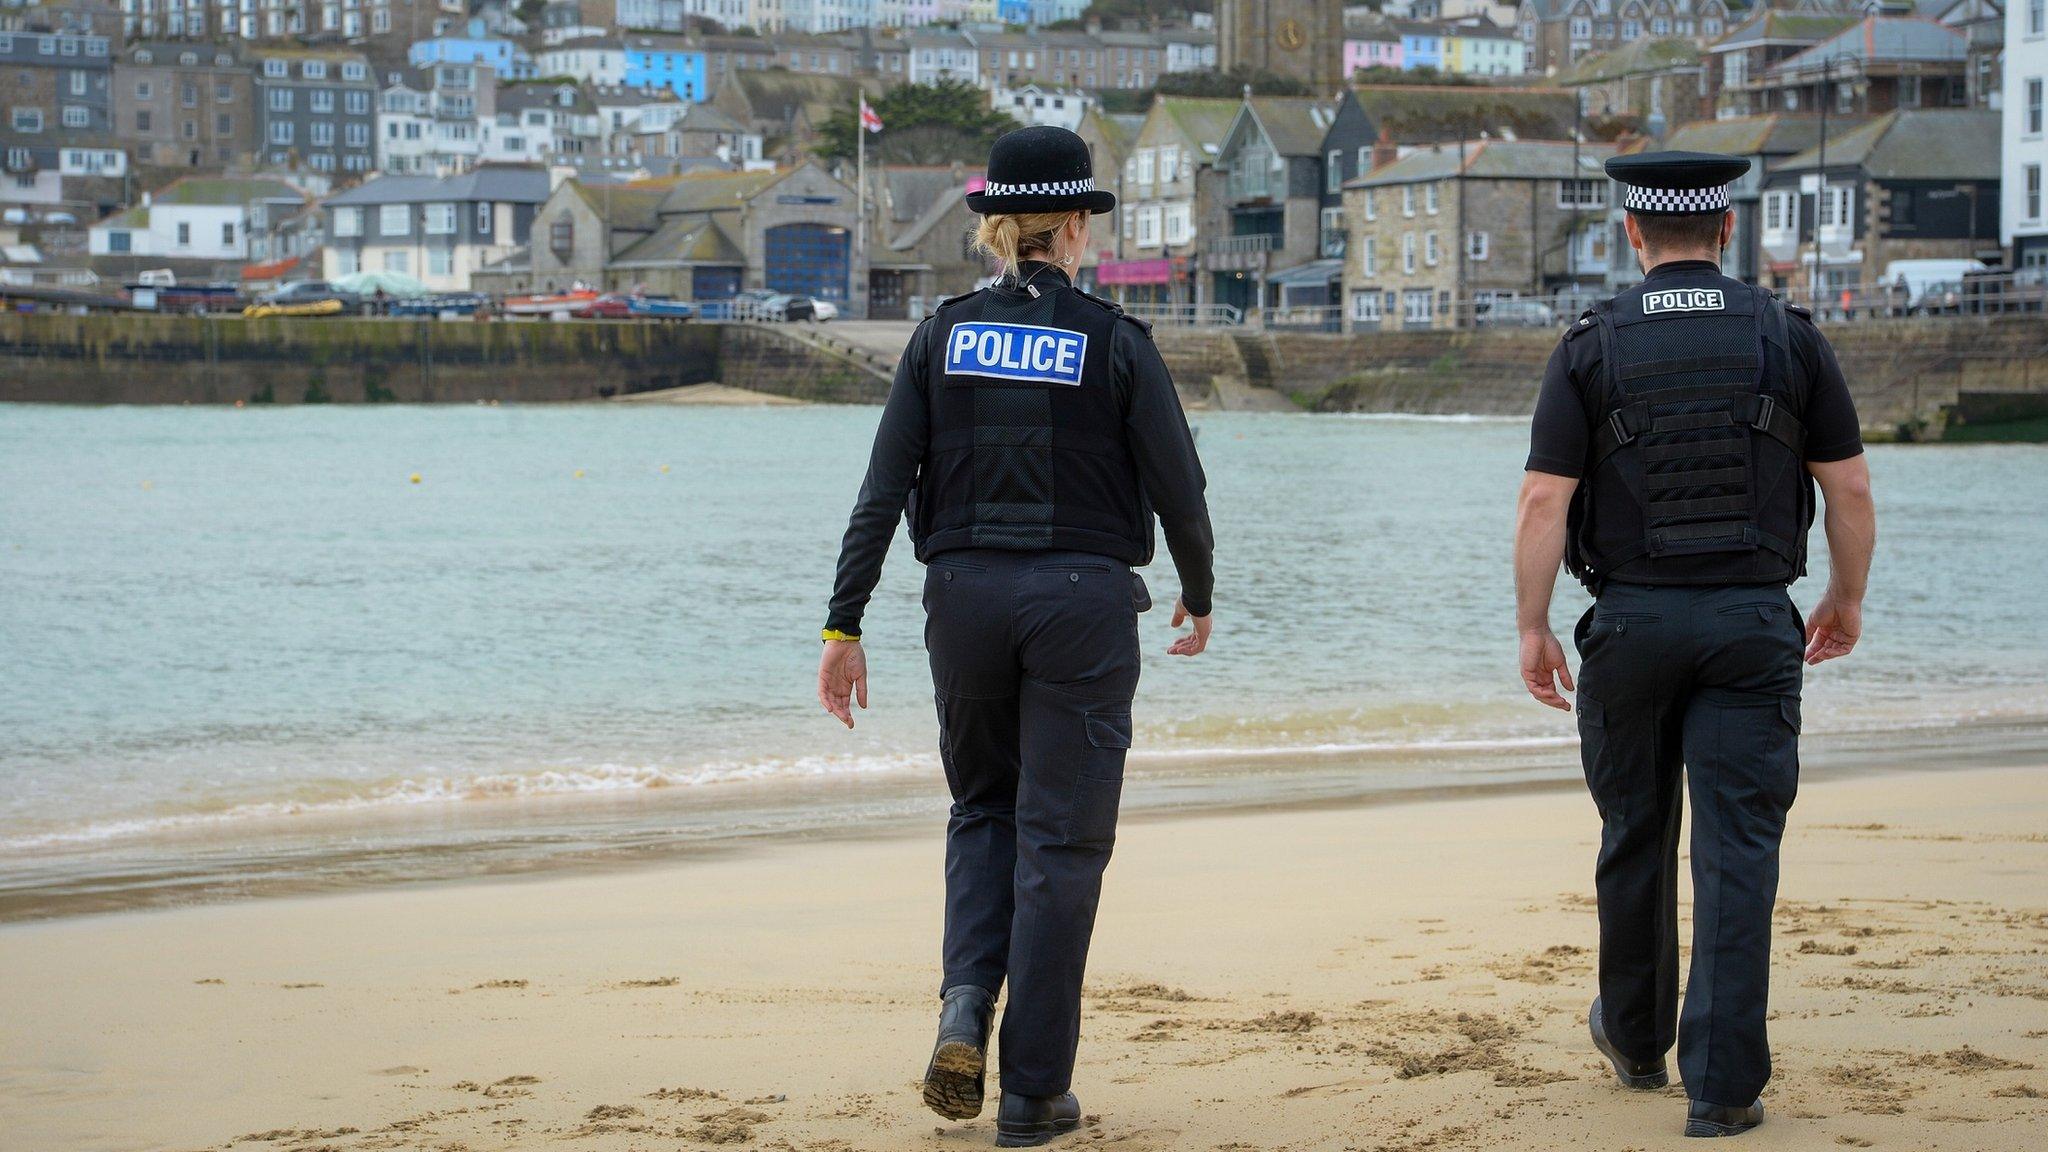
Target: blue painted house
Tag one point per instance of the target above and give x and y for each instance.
(670, 63)
(1013, 11)
(506, 58)
(1422, 45)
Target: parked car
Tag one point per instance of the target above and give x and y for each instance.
(14, 216)
(790, 307)
(1517, 314)
(751, 304)
(823, 310)
(306, 298)
(1922, 283)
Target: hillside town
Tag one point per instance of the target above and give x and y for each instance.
(1407, 164)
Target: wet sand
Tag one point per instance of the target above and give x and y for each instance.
(1397, 977)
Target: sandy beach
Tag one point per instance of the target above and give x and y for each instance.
(1391, 977)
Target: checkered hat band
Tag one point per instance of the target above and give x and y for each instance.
(1056, 188)
(1676, 199)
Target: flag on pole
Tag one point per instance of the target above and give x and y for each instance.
(869, 120)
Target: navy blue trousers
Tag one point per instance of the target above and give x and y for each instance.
(1034, 662)
(1690, 689)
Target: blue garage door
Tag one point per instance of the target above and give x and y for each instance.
(811, 259)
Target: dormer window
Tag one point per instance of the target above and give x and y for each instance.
(223, 61)
(143, 56)
(188, 59)
(314, 70)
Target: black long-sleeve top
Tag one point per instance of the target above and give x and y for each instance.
(1155, 427)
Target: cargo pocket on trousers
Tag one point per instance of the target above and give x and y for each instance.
(1099, 779)
(1593, 755)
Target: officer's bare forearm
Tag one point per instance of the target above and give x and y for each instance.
(1851, 523)
(1539, 545)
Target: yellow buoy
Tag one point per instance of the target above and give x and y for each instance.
(664, 469)
(579, 473)
(415, 477)
(148, 485)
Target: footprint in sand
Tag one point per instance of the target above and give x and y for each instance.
(499, 984)
(401, 1070)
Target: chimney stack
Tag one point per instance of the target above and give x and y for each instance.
(1383, 150)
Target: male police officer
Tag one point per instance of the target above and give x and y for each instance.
(1674, 436)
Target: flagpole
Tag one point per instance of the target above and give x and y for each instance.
(860, 149)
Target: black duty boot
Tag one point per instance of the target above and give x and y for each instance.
(1632, 1073)
(1028, 1121)
(1719, 1120)
(953, 1081)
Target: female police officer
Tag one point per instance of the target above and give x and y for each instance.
(1032, 433)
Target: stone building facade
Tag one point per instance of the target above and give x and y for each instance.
(186, 105)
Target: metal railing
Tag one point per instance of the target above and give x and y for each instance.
(1992, 294)
(1306, 318)
(1187, 315)
(1244, 245)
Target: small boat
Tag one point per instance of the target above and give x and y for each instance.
(661, 308)
(551, 304)
(446, 304)
(329, 307)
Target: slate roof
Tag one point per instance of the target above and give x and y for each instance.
(1635, 58)
(225, 191)
(1203, 120)
(1883, 39)
(690, 238)
(912, 189)
(777, 94)
(936, 211)
(1490, 160)
(1425, 114)
(1914, 144)
(512, 183)
(1775, 134)
(1295, 124)
(521, 95)
(1782, 27)
(713, 191)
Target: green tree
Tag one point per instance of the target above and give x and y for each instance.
(934, 123)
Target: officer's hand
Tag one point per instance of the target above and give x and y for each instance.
(1543, 659)
(1192, 643)
(843, 676)
(1833, 629)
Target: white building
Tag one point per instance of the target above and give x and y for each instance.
(430, 120)
(2023, 217)
(1031, 104)
(906, 13)
(943, 54)
(593, 60)
(1190, 49)
(626, 112)
(193, 219)
(826, 15)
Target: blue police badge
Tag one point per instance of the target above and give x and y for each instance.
(1026, 353)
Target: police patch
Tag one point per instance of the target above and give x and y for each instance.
(1027, 353)
(1682, 300)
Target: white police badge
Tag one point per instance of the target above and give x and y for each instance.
(1026, 353)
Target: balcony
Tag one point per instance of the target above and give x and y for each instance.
(1244, 245)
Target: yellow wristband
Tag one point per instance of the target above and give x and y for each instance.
(836, 634)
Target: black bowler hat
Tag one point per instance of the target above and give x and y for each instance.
(1043, 168)
(1676, 183)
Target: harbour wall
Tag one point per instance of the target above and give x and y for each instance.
(1899, 370)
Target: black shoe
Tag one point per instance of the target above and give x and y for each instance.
(1028, 1121)
(1706, 1119)
(1644, 1075)
(953, 1080)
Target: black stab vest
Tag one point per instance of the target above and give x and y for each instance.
(1697, 471)
(1027, 449)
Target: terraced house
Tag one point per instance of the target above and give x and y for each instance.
(439, 231)
(185, 105)
(1444, 233)
(1560, 33)
(316, 107)
(1179, 139)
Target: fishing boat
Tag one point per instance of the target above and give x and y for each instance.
(446, 304)
(549, 304)
(660, 308)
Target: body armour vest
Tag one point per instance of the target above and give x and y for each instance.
(1696, 473)
(1027, 448)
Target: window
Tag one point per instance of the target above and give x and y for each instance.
(280, 132)
(483, 218)
(1834, 208)
(1418, 306)
(1429, 249)
(1581, 28)
(1333, 170)
(224, 124)
(320, 100)
(189, 129)
(356, 103)
(1144, 159)
(1179, 223)
(1364, 159)
(440, 219)
(76, 117)
(276, 69)
(279, 100)
(80, 82)
(1169, 163)
(394, 219)
(2033, 109)
(1582, 193)
(2037, 20)
(345, 263)
(399, 262)
(1407, 199)
(2030, 192)
(1371, 206)
(358, 135)
(314, 70)
(1631, 29)
(227, 235)
(27, 119)
(1368, 257)
(184, 235)
(440, 262)
(1430, 196)
(188, 94)
(1408, 253)
(1148, 226)
(322, 134)
(119, 242)
(1659, 26)
(562, 235)
(1365, 308)
(1477, 245)
(1777, 211)
(348, 222)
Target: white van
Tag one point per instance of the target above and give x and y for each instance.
(1920, 275)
